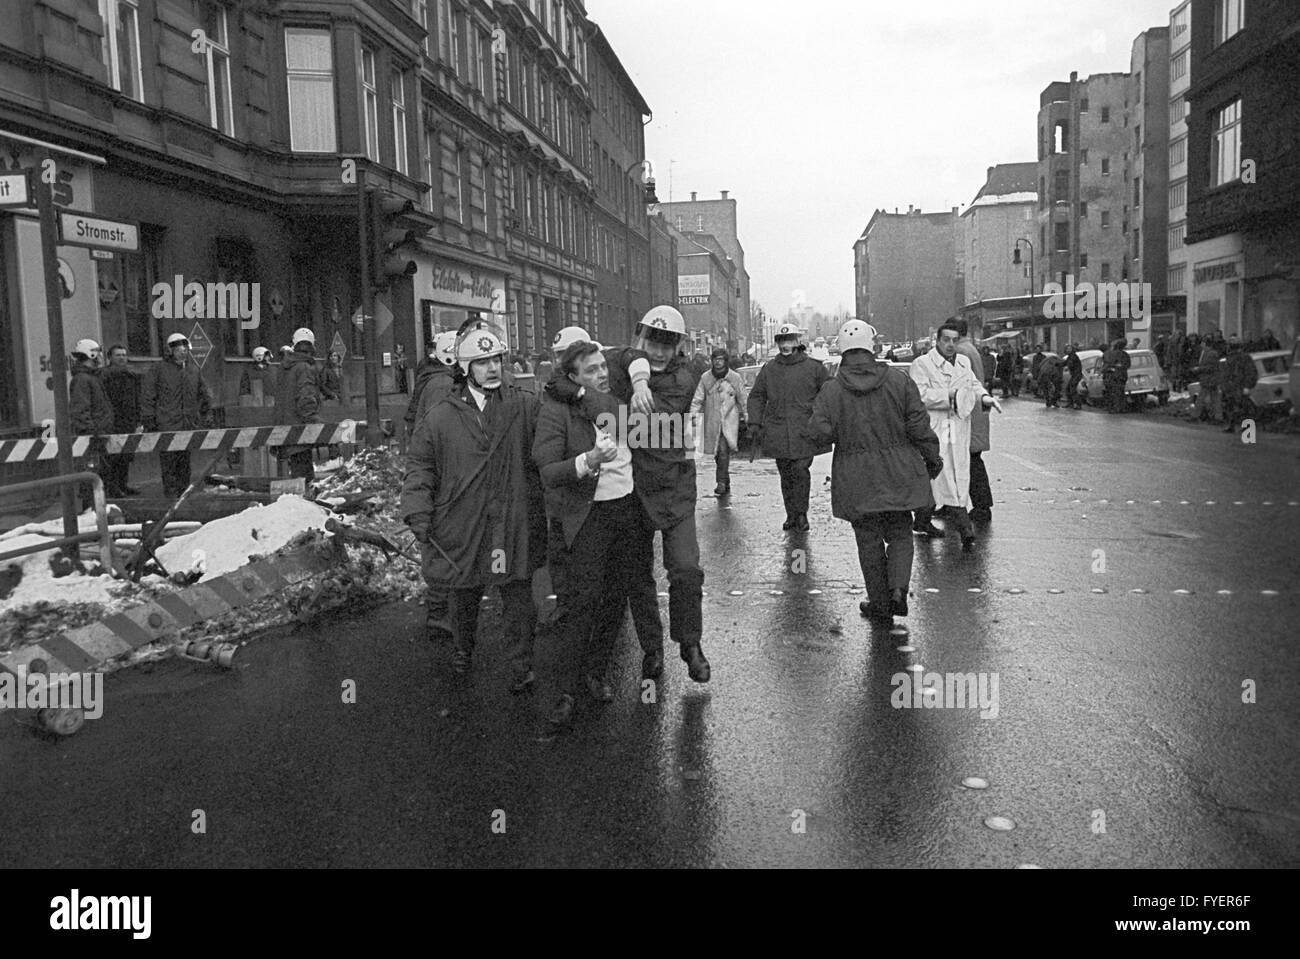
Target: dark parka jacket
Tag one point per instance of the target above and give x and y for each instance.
(91, 412)
(1239, 373)
(437, 383)
(297, 395)
(174, 397)
(781, 402)
(474, 488)
(883, 440)
(564, 431)
(122, 384)
(662, 474)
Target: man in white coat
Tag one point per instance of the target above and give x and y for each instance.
(951, 392)
(721, 397)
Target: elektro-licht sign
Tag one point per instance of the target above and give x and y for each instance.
(693, 289)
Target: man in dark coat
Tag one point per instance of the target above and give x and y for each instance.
(436, 369)
(298, 401)
(1034, 365)
(1005, 371)
(1209, 369)
(90, 410)
(1049, 379)
(1239, 377)
(652, 385)
(886, 453)
(607, 560)
(473, 498)
(779, 406)
(122, 384)
(175, 397)
(1074, 371)
(1114, 374)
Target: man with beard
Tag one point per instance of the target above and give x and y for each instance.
(663, 476)
(473, 498)
(950, 392)
(884, 452)
(779, 407)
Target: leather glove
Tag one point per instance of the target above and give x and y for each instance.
(935, 468)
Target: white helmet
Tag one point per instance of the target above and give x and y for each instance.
(86, 348)
(856, 335)
(177, 339)
(304, 335)
(444, 347)
(568, 336)
(787, 329)
(663, 318)
(260, 354)
(477, 345)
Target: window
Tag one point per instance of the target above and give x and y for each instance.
(140, 271)
(460, 186)
(455, 29)
(370, 103)
(1225, 145)
(1105, 114)
(1061, 187)
(1083, 156)
(1105, 166)
(1083, 210)
(1137, 84)
(1178, 151)
(422, 14)
(1177, 277)
(1062, 237)
(431, 199)
(120, 49)
(1137, 136)
(1177, 236)
(482, 63)
(1178, 66)
(1229, 18)
(1105, 272)
(1177, 110)
(399, 122)
(1083, 261)
(1177, 194)
(1137, 243)
(1083, 105)
(1105, 219)
(309, 64)
(1137, 191)
(1178, 24)
(220, 109)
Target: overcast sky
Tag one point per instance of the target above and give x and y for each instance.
(817, 112)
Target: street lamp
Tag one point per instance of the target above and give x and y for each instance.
(648, 199)
(1033, 315)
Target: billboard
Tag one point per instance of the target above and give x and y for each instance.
(693, 289)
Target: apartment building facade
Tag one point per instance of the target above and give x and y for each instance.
(906, 278)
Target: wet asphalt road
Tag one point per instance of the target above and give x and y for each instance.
(1116, 708)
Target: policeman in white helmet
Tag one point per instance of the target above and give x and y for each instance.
(787, 338)
(261, 357)
(472, 497)
(885, 454)
(88, 351)
(298, 398)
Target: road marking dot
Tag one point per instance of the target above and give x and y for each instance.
(736, 592)
(1139, 591)
(776, 592)
(1183, 502)
(907, 649)
(663, 595)
(898, 631)
(1056, 592)
(1099, 589)
(814, 592)
(974, 782)
(1182, 592)
(856, 591)
(974, 589)
(552, 596)
(1000, 823)
(1129, 502)
(1015, 591)
(1238, 503)
(931, 589)
(1028, 865)
(1209, 502)
(1155, 502)
(1268, 592)
(915, 668)
(1268, 502)
(1103, 501)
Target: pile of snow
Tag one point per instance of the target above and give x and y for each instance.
(224, 545)
(35, 579)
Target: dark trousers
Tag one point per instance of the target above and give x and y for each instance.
(795, 485)
(1006, 385)
(1072, 391)
(681, 558)
(1114, 392)
(1235, 406)
(301, 463)
(115, 469)
(519, 615)
(884, 552)
(723, 462)
(1052, 391)
(607, 561)
(175, 469)
(981, 494)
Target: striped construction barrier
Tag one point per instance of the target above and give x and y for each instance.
(252, 437)
(85, 648)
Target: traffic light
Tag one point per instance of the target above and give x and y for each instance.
(393, 236)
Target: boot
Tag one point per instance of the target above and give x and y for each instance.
(922, 524)
(876, 612)
(696, 665)
(801, 522)
(652, 664)
(898, 602)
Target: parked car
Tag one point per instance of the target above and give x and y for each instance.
(832, 364)
(1145, 378)
(1027, 383)
(1273, 392)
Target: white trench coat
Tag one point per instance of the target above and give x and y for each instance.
(936, 378)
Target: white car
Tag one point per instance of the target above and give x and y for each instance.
(1273, 390)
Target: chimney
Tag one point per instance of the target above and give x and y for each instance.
(692, 196)
(724, 193)
(895, 211)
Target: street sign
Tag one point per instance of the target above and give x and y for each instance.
(86, 229)
(358, 319)
(200, 345)
(337, 346)
(15, 189)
